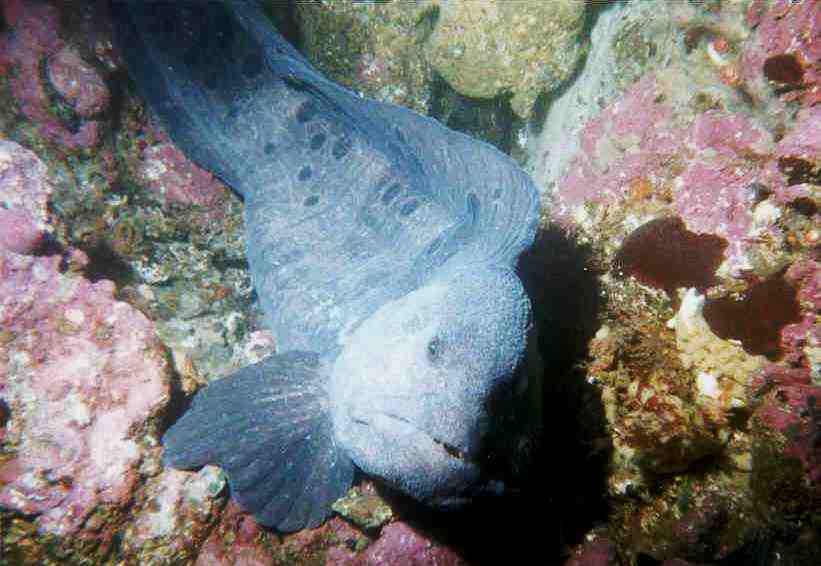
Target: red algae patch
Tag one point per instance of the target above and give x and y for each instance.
(784, 68)
(662, 253)
(757, 317)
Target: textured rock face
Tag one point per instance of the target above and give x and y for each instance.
(636, 153)
(36, 39)
(24, 194)
(785, 50)
(82, 376)
(398, 544)
(706, 357)
(488, 47)
(483, 48)
(78, 83)
(380, 54)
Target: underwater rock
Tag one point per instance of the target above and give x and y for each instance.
(236, 540)
(363, 506)
(372, 47)
(699, 518)
(78, 83)
(24, 195)
(398, 543)
(786, 478)
(634, 155)
(626, 41)
(482, 49)
(722, 367)
(596, 550)
(177, 180)
(378, 49)
(785, 52)
(487, 48)
(711, 439)
(174, 513)
(786, 399)
(84, 377)
(35, 38)
(650, 401)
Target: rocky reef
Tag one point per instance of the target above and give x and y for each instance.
(676, 388)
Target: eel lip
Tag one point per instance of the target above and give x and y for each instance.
(449, 449)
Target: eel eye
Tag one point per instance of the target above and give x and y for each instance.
(436, 349)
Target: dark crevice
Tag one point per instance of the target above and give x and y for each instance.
(490, 120)
(105, 263)
(5, 413)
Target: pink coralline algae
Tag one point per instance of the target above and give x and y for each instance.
(798, 156)
(176, 179)
(711, 171)
(19, 232)
(629, 140)
(787, 423)
(81, 374)
(24, 193)
(33, 40)
(244, 547)
(397, 544)
(78, 83)
(785, 49)
(713, 193)
(799, 339)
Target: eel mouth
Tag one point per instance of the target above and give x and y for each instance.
(449, 449)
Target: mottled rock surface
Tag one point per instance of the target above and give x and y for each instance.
(84, 379)
(488, 47)
(692, 132)
(697, 188)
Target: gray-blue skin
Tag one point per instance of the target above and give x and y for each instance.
(382, 247)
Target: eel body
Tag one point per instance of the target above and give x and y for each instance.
(382, 247)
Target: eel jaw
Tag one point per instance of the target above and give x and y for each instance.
(430, 469)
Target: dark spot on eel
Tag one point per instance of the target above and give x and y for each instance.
(341, 147)
(305, 112)
(311, 200)
(252, 65)
(408, 208)
(211, 81)
(317, 141)
(390, 193)
(268, 148)
(305, 173)
(436, 348)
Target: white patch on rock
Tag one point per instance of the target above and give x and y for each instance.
(708, 385)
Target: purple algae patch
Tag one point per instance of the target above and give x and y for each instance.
(783, 68)
(757, 318)
(662, 253)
